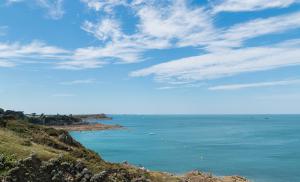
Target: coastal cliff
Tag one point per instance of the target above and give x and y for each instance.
(36, 153)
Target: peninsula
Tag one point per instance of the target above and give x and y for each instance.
(70, 122)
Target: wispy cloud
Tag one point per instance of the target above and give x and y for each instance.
(251, 5)
(166, 88)
(63, 95)
(3, 30)
(178, 86)
(79, 82)
(104, 5)
(54, 8)
(79, 64)
(226, 63)
(12, 54)
(254, 85)
(13, 1)
(237, 34)
(166, 25)
(174, 24)
(104, 30)
(4, 63)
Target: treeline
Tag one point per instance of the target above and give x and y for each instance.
(9, 114)
(54, 119)
(39, 119)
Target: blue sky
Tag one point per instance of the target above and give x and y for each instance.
(150, 56)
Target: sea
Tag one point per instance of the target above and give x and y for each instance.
(262, 148)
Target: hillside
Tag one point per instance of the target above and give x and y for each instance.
(35, 153)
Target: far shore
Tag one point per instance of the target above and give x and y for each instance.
(86, 127)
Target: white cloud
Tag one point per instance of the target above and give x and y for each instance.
(166, 25)
(158, 28)
(54, 8)
(6, 64)
(227, 55)
(254, 85)
(237, 34)
(15, 53)
(251, 5)
(105, 5)
(63, 95)
(79, 64)
(177, 86)
(12, 54)
(106, 29)
(95, 57)
(13, 1)
(79, 82)
(174, 22)
(166, 88)
(227, 63)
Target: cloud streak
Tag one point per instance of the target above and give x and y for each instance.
(255, 85)
(54, 8)
(3, 30)
(162, 27)
(79, 82)
(251, 5)
(63, 95)
(12, 54)
(175, 24)
(237, 34)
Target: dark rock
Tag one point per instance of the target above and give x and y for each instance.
(2, 162)
(3, 123)
(99, 177)
(79, 165)
(67, 139)
(141, 179)
(33, 170)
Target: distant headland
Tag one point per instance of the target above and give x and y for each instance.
(82, 122)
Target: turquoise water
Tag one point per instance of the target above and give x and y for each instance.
(264, 148)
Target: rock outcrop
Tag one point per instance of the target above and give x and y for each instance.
(56, 170)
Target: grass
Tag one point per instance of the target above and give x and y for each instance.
(19, 140)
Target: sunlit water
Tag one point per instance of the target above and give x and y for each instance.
(264, 148)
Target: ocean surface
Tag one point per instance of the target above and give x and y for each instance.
(263, 148)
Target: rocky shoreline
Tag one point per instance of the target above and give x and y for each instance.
(86, 127)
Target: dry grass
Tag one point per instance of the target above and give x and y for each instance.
(19, 148)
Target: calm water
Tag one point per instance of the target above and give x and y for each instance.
(260, 147)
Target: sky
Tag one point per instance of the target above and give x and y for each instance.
(150, 56)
